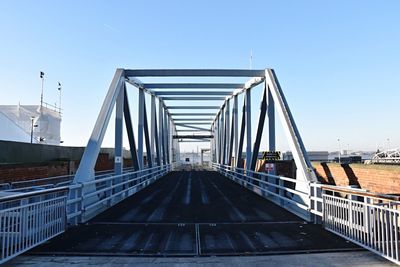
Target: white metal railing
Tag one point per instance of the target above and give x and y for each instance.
(278, 189)
(369, 220)
(88, 199)
(29, 219)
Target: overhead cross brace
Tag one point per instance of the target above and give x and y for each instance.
(192, 93)
(188, 98)
(192, 136)
(192, 85)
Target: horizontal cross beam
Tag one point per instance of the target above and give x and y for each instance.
(193, 127)
(205, 93)
(195, 119)
(192, 123)
(193, 107)
(205, 130)
(194, 73)
(192, 136)
(194, 141)
(193, 98)
(192, 85)
(192, 114)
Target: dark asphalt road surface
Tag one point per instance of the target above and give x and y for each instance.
(194, 213)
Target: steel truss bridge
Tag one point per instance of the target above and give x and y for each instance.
(389, 156)
(159, 207)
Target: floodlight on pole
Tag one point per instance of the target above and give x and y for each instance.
(41, 96)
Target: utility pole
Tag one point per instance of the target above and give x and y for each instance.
(59, 90)
(340, 149)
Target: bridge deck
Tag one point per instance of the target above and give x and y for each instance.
(195, 213)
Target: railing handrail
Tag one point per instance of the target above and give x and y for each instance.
(358, 193)
(264, 174)
(33, 193)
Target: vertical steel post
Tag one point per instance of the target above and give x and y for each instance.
(248, 129)
(221, 136)
(156, 140)
(166, 135)
(161, 130)
(260, 127)
(239, 150)
(140, 127)
(271, 120)
(129, 130)
(119, 114)
(235, 123)
(153, 125)
(217, 139)
(227, 128)
(149, 156)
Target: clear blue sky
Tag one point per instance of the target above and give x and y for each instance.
(338, 61)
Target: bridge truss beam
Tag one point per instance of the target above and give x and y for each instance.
(159, 137)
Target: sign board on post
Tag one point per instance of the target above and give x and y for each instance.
(118, 159)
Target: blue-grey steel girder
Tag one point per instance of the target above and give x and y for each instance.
(192, 136)
(194, 73)
(192, 127)
(225, 133)
(300, 156)
(227, 128)
(166, 136)
(153, 126)
(192, 123)
(129, 130)
(239, 150)
(194, 141)
(194, 98)
(85, 170)
(195, 119)
(162, 130)
(261, 120)
(235, 124)
(193, 93)
(147, 138)
(156, 141)
(140, 127)
(205, 130)
(248, 129)
(231, 139)
(221, 134)
(118, 145)
(193, 107)
(192, 85)
(192, 114)
(271, 121)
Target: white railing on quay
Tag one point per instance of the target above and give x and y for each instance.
(278, 189)
(369, 220)
(88, 199)
(29, 219)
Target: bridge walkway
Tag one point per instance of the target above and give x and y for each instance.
(195, 213)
